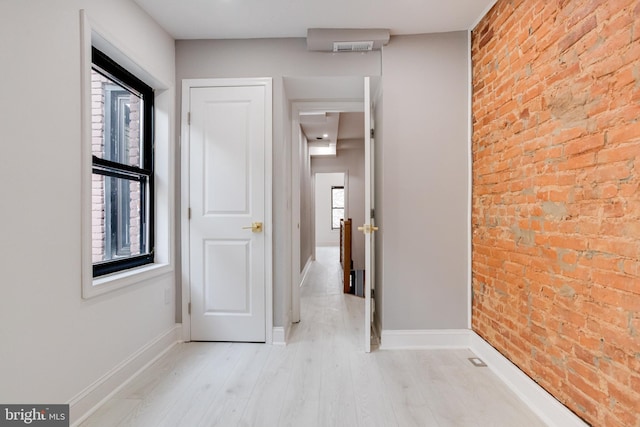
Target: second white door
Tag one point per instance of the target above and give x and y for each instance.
(227, 140)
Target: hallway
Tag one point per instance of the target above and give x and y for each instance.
(321, 378)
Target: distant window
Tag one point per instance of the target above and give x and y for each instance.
(122, 168)
(337, 206)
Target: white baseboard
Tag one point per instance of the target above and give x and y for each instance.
(91, 398)
(424, 339)
(305, 270)
(375, 331)
(550, 410)
(545, 406)
(279, 335)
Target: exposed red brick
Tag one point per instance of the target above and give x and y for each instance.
(556, 198)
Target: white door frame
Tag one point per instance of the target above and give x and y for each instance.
(187, 85)
(296, 108)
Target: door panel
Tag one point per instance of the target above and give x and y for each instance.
(227, 156)
(227, 194)
(219, 297)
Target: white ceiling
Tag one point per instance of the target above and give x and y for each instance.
(316, 125)
(242, 19)
(343, 130)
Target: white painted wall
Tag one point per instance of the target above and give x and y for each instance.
(54, 344)
(307, 236)
(423, 152)
(275, 58)
(424, 187)
(325, 236)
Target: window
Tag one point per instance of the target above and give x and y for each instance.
(337, 206)
(122, 168)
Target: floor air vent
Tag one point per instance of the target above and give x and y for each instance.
(477, 362)
(362, 46)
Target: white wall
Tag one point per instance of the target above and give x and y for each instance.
(350, 161)
(276, 58)
(307, 236)
(423, 151)
(54, 344)
(424, 188)
(325, 236)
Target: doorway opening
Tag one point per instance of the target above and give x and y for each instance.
(324, 97)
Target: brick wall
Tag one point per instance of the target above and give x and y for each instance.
(97, 181)
(131, 135)
(556, 198)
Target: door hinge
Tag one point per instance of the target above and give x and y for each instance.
(373, 133)
(189, 308)
(189, 118)
(373, 294)
(189, 213)
(373, 213)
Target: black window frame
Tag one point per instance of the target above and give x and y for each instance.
(334, 208)
(144, 174)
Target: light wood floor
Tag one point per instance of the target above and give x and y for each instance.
(321, 378)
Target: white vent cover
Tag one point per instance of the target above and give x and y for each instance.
(353, 46)
(346, 39)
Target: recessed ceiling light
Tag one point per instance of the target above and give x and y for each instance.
(326, 135)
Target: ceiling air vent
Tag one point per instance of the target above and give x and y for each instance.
(362, 46)
(346, 39)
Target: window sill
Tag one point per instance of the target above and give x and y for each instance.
(111, 282)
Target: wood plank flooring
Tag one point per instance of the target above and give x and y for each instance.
(321, 378)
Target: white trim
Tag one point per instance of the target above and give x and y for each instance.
(375, 331)
(279, 335)
(424, 339)
(92, 35)
(121, 279)
(312, 226)
(305, 270)
(268, 194)
(109, 44)
(482, 15)
(91, 398)
(86, 270)
(185, 273)
(541, 402)
(187, 85)
(550, 410)
(377, 325)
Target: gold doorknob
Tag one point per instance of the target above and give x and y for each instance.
(368, 228)
(255, 227)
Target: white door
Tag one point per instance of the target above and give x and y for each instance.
(228, 133)
(369, 228)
